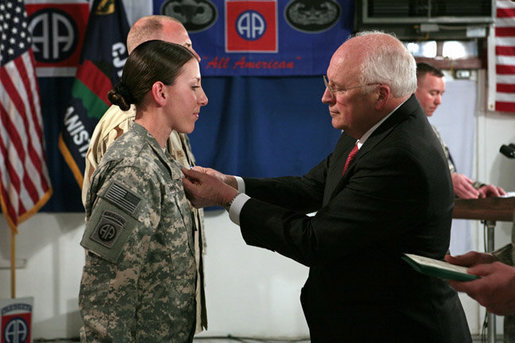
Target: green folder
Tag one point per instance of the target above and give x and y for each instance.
(437, 268)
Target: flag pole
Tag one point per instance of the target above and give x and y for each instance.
(25, 126)
(13, 264)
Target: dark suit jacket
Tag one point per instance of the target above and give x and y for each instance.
(396, 197)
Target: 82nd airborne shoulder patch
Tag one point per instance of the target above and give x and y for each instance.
(111, 223)
(108, 229)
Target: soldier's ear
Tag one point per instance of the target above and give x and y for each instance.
(159, 93)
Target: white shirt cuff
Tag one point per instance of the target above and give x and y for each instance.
(236, 206)
(241, 184)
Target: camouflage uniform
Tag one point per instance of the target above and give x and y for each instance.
(138, 284)
(110, 127)
(450, 162)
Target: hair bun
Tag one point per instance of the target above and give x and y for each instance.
(122, 90)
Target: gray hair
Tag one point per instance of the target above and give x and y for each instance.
(390, 64)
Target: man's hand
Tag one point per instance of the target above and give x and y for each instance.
(495, 290)
(491, 191)
(463, 187)
(227, 179)
(204, 190)
(471, 259)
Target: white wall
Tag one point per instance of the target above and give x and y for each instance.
(250, 291)
(49, 246)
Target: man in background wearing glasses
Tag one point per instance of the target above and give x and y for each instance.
(393, 197)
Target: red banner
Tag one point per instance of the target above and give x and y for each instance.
(16, 320)
(58, 34)
(257, 21)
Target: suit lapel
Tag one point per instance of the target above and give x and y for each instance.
(335, 181)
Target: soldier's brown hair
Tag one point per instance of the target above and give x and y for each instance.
(150, 62)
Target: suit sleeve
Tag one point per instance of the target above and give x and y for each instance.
(303, 194)
(385, 198)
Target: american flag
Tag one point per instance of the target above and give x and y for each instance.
(505, 56)
(25, 185)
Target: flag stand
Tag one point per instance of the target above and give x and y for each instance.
(26, 188)
(13, 264)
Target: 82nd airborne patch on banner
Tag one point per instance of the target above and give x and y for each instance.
(16, 320)
(251, 26)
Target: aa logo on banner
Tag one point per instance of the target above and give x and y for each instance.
(58, 31)
(263, 37)
(251, 26)
(16, 320)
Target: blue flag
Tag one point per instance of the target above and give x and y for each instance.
(263, 37)
(103, 55)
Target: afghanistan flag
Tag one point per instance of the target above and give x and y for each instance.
(103, 55)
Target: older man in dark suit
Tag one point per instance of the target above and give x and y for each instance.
(392, 196)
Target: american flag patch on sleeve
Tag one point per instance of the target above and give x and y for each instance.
(122, 197)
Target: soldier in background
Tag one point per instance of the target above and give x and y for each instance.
(139, 280)
(430, 88)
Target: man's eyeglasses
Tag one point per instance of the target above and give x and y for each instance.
(333, 91)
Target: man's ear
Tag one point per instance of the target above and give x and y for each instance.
(159, 93)
(383, 94)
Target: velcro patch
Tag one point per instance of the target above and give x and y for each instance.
(122, 197)
(108, 229)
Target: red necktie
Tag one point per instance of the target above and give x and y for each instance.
(352, 153)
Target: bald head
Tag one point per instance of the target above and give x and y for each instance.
(160, 27)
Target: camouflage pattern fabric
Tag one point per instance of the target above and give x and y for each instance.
(138, 283)
(452, 167)
(113, 124)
